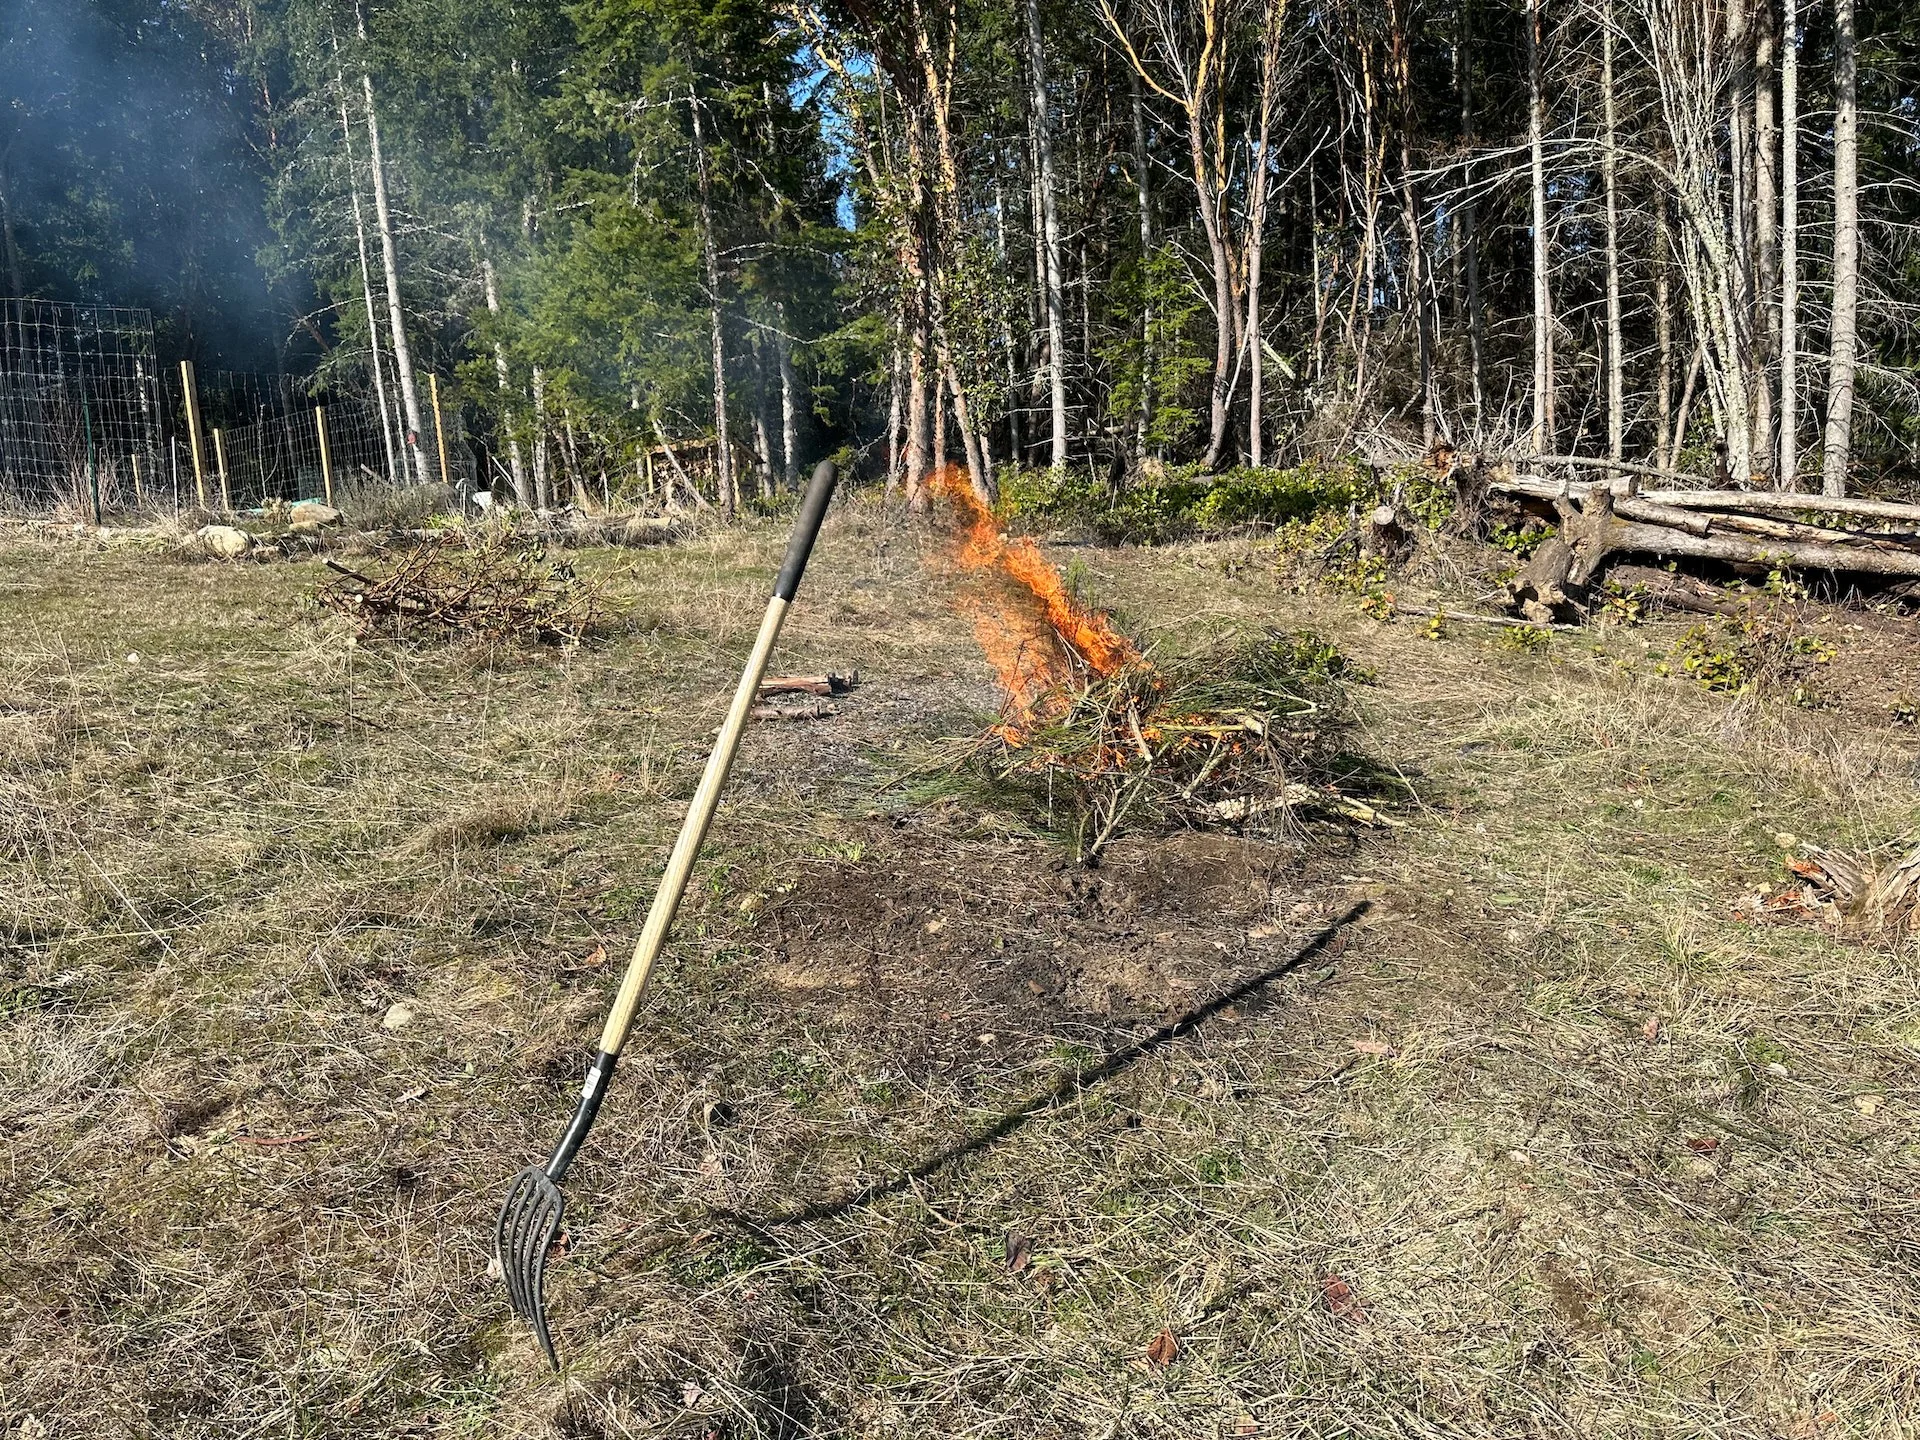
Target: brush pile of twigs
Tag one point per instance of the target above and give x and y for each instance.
(482, 585)
(1240, 738)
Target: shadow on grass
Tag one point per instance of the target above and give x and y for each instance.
(1066, 1088)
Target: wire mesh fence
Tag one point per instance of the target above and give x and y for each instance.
(91, 420)
(77, 383)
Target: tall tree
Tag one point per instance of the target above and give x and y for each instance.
(1842, 357)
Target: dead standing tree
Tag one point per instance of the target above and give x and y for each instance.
(1182, 54)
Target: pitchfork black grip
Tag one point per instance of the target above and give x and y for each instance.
(813, 509)
(591, 1094)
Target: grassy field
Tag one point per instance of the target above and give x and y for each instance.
(926, 1129)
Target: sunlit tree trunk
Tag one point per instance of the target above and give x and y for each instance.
(1144, 200)
(1469, 229)
(1417, 280)
(1846, 250)
(1789, 474)
(542, 468)
(390, 260)
(1054, 296)
(516, 467)
(728, 497)
(1766, 239)
(1610, 172)
(1259, 182)
(789, 400)
(366, 291)
(1543, 426)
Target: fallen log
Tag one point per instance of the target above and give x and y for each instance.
(1787, 501)
(1627, 537)
(806, 710)
(828, 684)
(1765, 501)
(1651, 524)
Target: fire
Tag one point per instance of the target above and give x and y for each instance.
(1036, 636)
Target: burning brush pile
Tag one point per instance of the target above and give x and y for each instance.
(1241, 737)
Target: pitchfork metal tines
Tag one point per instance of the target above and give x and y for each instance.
(530, 1218)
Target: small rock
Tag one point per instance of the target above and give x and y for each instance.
(223, 541)
(399, 1015)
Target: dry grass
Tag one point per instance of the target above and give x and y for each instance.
(1605, 1162)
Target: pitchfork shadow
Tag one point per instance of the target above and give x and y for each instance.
(1066, 1088)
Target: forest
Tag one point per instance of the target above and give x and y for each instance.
(1126, 238)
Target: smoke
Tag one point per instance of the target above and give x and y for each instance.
(132, 171)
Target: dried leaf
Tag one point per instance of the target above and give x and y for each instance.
(1163, 1349)
(1703, 1144)
(1244, 1426)
(1019, 1252)
(1372, 1047)
(1340, 1298)
(1651, 1029)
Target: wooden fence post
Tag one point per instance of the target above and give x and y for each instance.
(139, 490)
(326, 456)
(220, 463)
(193, 431)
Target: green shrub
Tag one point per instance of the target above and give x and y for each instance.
(1183, 504)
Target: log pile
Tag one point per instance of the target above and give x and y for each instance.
(801, 697)
(1761, 530)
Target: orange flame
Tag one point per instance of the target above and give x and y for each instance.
(1036, 636)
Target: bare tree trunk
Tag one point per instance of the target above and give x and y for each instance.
(1144, 200)
(1766, 239)
(1609, 166)
(729, 496)
(1212, 222)
(896, 387)
(1846, 249)
(1417, 279)
(402, 356)
(789, 401)
(366, 291)
(1054, 297)
(917, 418)
(516, 467)
(1260, 181)
(1663, 330)
(542, 488)
(1543, 426)
(1469, 230)
(1009, 347)
(1789, 474)
(762, 414)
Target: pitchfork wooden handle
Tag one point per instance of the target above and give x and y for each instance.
(673, 884)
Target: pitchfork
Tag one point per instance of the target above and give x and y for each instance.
(530, 1218)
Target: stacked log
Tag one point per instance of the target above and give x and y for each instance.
(1761, 529)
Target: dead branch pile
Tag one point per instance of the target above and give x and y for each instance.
(1758, 529)
(1847, 892)
(485, 585)
(1241, 738)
